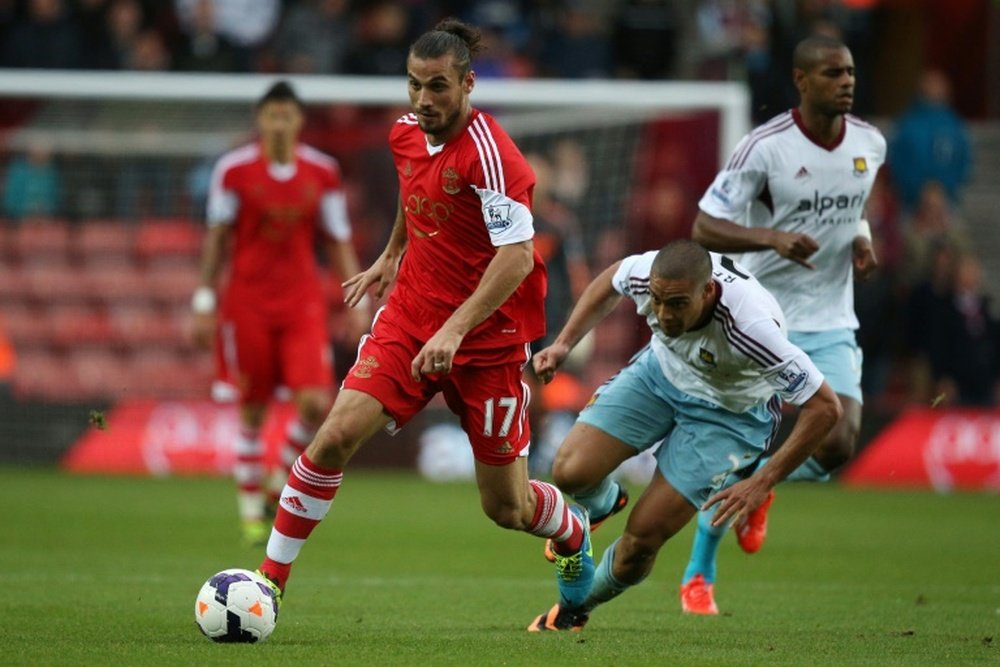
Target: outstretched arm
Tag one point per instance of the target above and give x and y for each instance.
(817, 416)
(727, 236)
(599, 299)
(383, 271)
(343, 260)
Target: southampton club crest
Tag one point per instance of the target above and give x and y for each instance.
(449, 181)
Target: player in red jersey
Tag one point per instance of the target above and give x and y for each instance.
(269, 200)
(467, 301)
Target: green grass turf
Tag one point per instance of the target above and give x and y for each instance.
(99, 571)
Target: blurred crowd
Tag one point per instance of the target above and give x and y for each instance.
(928, 331)
(647, 39)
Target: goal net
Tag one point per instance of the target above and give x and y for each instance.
(106, 174)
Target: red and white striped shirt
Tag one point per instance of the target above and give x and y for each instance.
(276, 212)
(461, 200)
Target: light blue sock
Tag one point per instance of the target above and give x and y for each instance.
(705, 548)
(810, 471)
(606, 586)
(600, 500)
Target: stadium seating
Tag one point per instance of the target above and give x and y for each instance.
(99, 241)
(100, 310)
(41, 240)
(58, 283)
(14, 285)
(112, 282)
(165, 238)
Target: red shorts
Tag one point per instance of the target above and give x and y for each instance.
(490, 399)
(257, 352)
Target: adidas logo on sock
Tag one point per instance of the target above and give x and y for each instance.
(294, 503)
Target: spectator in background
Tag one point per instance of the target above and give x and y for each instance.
(505, 38)
(110, 30)
(877, 301)
(91, 17)
(924, 307)
(46, 37)
(201, 47)
(313, 37)
(381, 41)
(32, 184)
(932, 220)
(959, 338)
(559, 243)
(148, 53)
(664, 212)
(506, 31)
(571, 173)
(247, 24)
(645, 36)
(573, 42)
(930, 143)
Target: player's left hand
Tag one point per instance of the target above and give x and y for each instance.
(738, 500)
(436, 356)
(863, 255)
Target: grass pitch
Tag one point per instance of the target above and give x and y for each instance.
(99, 571)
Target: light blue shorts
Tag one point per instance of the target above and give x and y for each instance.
(705, 447)
(836, 355)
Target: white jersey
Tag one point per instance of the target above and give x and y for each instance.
(742, 357)
(781, 178)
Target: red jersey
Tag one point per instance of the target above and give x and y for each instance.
(461, 200)
(277, 211)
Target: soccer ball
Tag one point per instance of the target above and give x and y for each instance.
(236, 606)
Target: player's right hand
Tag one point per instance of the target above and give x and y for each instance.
(381, 274)
(796, 247)
(547, 361)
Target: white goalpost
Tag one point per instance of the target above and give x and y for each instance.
(730, 99)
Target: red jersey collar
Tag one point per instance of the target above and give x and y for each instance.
(816, 140)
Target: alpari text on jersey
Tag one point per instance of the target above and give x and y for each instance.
(845, 207)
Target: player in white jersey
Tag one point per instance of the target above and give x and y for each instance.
(707, 387)
(791, 198)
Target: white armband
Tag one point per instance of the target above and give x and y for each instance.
(203, 300)
(864, 229)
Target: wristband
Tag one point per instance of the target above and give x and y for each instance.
(203, 300)
(864, 229)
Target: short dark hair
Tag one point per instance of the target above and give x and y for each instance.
(449, 36)
(280, 91)
(806, 53)
(683, 260)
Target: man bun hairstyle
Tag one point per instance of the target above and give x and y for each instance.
(280, 91)
(683, 260)
(452, 36)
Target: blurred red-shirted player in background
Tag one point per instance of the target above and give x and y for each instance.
(467, 301)
(270, 200)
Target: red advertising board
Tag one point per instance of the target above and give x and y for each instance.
(145, 437)
(940, 449)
